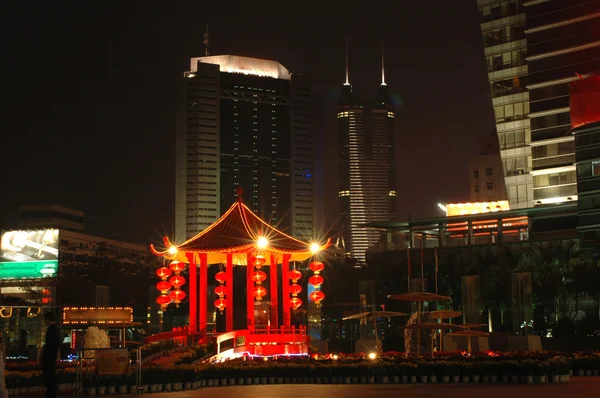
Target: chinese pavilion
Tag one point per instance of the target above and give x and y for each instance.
(241, 238)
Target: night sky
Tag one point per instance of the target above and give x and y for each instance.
(90, 90)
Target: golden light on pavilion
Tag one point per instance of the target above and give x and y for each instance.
(315, 247)
(262, 242)
(172, 250)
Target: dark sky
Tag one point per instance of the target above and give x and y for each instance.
(91, 94)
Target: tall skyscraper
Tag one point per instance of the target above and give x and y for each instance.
(367, 166)
(534, 49)
(243, 122)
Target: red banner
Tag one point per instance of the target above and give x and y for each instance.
(585, 101)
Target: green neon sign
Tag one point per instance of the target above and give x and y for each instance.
(28, 270)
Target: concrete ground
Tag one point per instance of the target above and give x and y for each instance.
(577, 387)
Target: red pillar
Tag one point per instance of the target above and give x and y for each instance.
(193, 293)
(203, 292)
(229, 288)
(274, 293)
(249, 292)
(285, 289)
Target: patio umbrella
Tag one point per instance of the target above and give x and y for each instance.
(374, 315)
(444, 314)
(468, 334)
(419, 297)
(432, 326)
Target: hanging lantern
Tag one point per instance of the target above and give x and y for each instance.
(316, 281)
(221, 277)
(177, 266)
(295, 303)
(163, 300)
(163, 286)
(295, 289)
(221, 304)
(177, 296)
(317, 296)
(46, 292)
(317, 266)
(259, 292)
(295, 275)
(177, 281)
(220, 291)
(259, 277)
(259, 261)
(163, 273)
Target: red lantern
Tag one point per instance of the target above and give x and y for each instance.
(295, 275)
(177, 295)
(295, 303)
(259, 277)
(221, 304)
(220, 290)
(295, 289)
(259, 261)
(163, 273)
(163, 300)
(46, 300)
(259, 292)
(317, 296)
(177, 281)
(316, 280)
(163, 286)
(177, 266)
(46, 292)
(317, 266)
(221, 277)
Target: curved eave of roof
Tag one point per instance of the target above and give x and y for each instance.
(279, 242)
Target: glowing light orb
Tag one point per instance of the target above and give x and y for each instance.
(262, 242)
(315, 247)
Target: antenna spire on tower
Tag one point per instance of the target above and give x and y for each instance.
(382, 67)
(347, 83)
(205, 41)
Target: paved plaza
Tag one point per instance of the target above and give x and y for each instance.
(577, 387)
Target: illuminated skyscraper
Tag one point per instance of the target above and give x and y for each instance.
(367, 166)
(534, 49)
(243, 122)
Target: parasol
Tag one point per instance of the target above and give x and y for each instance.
(432, 325)
(444, 314)
(419, 297)
(468, 334)
(374, 315)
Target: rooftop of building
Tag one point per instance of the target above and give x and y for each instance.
(243, 65)
(542, 212)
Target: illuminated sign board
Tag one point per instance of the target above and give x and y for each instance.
(463, 209)
(29, 254)
(87, 315)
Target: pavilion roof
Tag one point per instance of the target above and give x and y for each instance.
(237, 232)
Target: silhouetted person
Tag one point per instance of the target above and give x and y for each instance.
(3, 390)
(50, 354)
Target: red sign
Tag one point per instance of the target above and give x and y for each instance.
(585, 101)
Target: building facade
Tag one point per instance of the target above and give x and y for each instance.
(367, 167)
(244, 122)
(486, 178)
(534, 49)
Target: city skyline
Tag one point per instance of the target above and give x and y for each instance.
(101, 143)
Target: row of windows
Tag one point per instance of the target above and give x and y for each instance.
(500, 10)
(514, 139)
(589, 169)
(488, 172)
(546, 180)
(509, 59)
(510, 112)
(513, 85)
(503, 35)
(489, 186)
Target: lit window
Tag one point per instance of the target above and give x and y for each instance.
(488, 172)
(476, 174)
(476, 188)
(490, 186)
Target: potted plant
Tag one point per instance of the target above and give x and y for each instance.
(443, 371)
(89, 385)
(465, 372)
